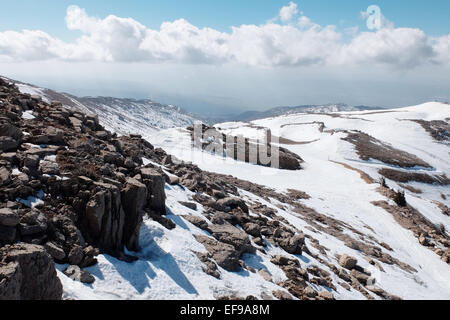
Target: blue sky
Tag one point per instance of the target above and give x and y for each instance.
(227, 56)
(430, 16)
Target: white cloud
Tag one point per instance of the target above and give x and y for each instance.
(288, 12)
(115, 39)
(401, 47)
(27, 45)
(442, 50)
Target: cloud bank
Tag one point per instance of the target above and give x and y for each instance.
(288, 40)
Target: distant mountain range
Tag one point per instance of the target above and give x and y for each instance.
(128, 116)
(125, 116)
(279, 111)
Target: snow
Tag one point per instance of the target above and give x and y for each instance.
(123, 116)
(32, 90)
(168, 269)
(28, 115)
(32, 202)
(340, 193)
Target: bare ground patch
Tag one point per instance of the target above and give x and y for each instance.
(405, 177)
(426, 232)
(438, 129)
(411, 188)
(368, 147)
(445, 210)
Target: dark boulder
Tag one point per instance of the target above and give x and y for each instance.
(233, 203)
(134, 196)
(156, 195)
(224, 254)
(28, 273)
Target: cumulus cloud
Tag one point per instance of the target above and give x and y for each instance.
(441, 48)
(402, 47)
(298, 42)
(27, 45)
(288, 12)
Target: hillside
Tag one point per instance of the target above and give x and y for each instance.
(149, 216)
(280, 111)
(126, 116)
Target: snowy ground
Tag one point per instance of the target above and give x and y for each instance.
(168, 269)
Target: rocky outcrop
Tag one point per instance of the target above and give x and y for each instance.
(75, 273)
(244, 149)
(226, 233)
(27, 272)
(69, 185)
(347, 262)
(155, 183)
(134, 195)
(224, 254)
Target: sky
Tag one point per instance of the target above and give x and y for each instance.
(230, 56)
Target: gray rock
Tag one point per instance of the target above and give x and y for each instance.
(33, 222)
(155, 183)
(233, 203)
(252, 229)
(310, 292)
(224, 254)
(197, 221)
(5, 176)
(347, 262)
(49, 167)
(293, 244)
(229, 234)
(265, 274)
(9, 130)
(75, 273)
(95, 210)
(173, 180)
(76, 255)
(129, 163)
(76, 123)
(31, 161)
(49, 135)
(190, 205)
(89, 259)
(11, 157)
(361, 277)
(42, 152)
(325, 295)
(11, 281)
(134, 196)
(106, 218)
(378, 291)
(282, 295)
(7, 234)
(31, 274)
(111, 236)
(55, 251)
(8, 144)
(259, 241)
(8, 218)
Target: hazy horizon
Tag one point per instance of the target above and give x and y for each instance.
(261, 56)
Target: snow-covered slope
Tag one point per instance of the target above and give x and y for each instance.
(168, 269)
(337, 190)
(124, 116)
(346, 212)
